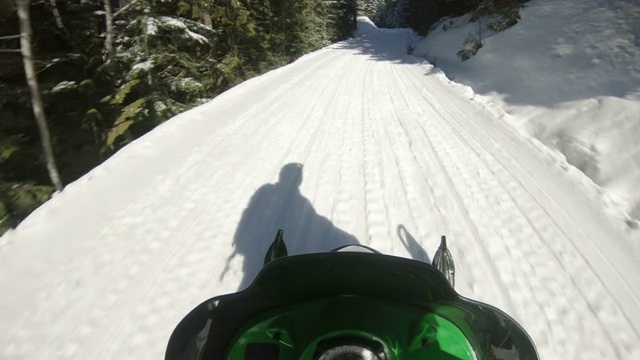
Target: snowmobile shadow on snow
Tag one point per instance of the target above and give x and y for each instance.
(282, 206)
(416, 251)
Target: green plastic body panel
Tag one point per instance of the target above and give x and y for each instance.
(392, 300)
(404, 332)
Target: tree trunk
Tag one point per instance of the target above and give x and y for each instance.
(56, 14)
(108, 42)
(32, 81)
(206, 20)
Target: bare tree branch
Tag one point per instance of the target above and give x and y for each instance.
(9, 37)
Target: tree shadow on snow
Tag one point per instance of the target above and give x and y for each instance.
(389, 47)
(564, 68)
(416, 251)
(282, 206)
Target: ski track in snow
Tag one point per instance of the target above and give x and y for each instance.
(393, 154)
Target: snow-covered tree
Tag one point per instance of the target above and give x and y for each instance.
(370, 8)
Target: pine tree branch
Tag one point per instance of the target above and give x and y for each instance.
(124, 8)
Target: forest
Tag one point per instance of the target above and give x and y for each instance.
(80, 79)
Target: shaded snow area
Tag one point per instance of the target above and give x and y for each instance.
(356, 143)
(569, 73)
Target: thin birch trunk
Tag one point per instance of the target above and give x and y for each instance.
(108, 43)
(56, 14)
(36, 101)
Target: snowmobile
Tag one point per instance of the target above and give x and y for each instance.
(352, 303)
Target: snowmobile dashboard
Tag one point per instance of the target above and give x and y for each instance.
(348, 305)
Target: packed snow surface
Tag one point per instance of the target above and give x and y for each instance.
(356, 143)
(569, 72)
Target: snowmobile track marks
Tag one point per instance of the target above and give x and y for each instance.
(536, 225)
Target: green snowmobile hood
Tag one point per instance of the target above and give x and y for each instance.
(299, 305)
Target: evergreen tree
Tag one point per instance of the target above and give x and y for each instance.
(424, 13)
(106, 80)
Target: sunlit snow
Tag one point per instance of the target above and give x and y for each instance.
(356, 143)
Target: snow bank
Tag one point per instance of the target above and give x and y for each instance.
(569, 72)
(365, 25)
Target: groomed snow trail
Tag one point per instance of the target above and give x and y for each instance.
(357, 142)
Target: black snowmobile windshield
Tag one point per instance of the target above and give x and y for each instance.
(301, 306)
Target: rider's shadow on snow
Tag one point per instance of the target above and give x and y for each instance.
(282, 206)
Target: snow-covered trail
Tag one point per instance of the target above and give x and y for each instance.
(357, 142)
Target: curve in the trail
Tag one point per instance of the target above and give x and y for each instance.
(358, 142)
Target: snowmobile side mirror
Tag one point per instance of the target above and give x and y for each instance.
(443, 261)
(277, 249)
